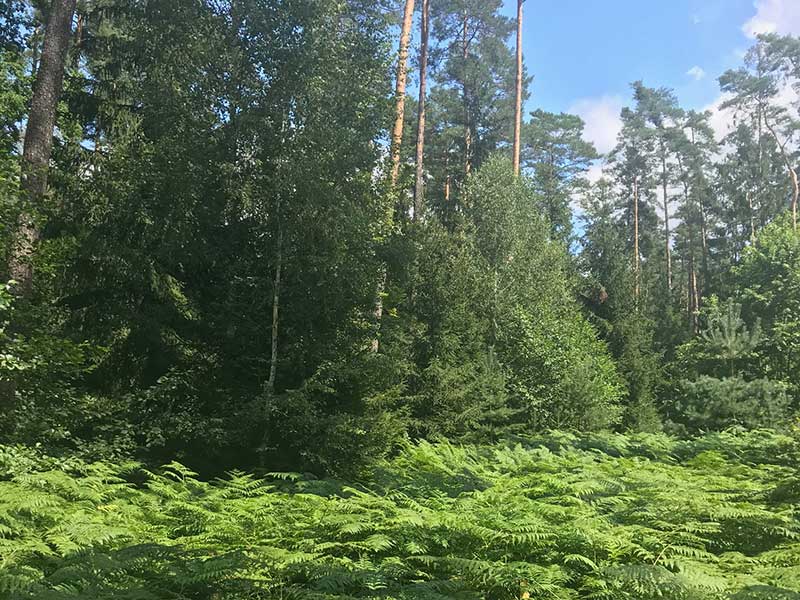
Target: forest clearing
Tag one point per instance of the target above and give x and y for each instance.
(394, 299)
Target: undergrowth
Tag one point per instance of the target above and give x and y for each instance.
(558, 516)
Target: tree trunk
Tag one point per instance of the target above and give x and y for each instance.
(38, 143)
(697, 300)
(377, 312)
(694, 294)
(518, 105)
(397, 140)
(752, 217)
(667, 249)
(465, 94)
(276, 301)
(400, 90)
(636, 262)
(419, 183)
(447, 179)
(795, 195)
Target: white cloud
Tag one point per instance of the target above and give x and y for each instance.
(697, 73)
(595, 172)
(696, 20)
(774, 16)
(724, 120)
(602, 117)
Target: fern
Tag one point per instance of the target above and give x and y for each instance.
(559, 517)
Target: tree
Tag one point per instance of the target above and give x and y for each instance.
(754, 89)
(728, 336)
(39, 137)
(202, 187)
(767, 283)
(473, 91)
(518, 93)
(558, 372)
(631, 165)
(400, 88)
(419, 181)
(659, 110)
(623, 317)
(557, 157)
(694, 146)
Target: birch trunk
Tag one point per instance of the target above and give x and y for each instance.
(276, 302)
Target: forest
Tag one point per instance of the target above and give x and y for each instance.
(302, 299)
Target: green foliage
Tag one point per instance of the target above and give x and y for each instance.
(768, 281)
(557, 156)
(561, 516)
(508, 348)
(627, 326)
(727, 335)
(711, 404)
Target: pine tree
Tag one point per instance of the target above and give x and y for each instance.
(518, 94)
(39, 138)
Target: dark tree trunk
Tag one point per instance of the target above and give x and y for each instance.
(38, 144)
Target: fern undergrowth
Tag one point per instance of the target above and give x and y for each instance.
(559, 516)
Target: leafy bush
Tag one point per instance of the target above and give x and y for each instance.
(558, 517)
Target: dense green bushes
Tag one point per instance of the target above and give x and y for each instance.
(561, 516)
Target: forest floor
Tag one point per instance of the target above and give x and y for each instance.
(558, 516)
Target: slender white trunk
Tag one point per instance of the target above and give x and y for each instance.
(276, 302)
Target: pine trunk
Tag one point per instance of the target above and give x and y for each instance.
(447, 179)
(419, 183)
(397, 140)
(667, 249)
(400, 89)
(465, 98)
(518, 105)
(38, 143)
(636, 262)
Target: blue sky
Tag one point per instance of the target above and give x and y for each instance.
(585, 53)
